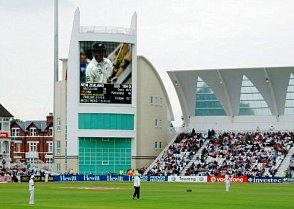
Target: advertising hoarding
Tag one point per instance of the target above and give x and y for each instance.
(265, 180)
(235, 179)
(5, 179)
(36, 179)
(187, 178)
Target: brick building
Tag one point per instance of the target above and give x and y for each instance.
(5, 118)
(32, 141)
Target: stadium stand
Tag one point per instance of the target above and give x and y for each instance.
(178, 155)
(243, 154)
(240, 154)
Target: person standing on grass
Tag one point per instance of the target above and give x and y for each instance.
(228, 182)
(32, 190)
(137, 185)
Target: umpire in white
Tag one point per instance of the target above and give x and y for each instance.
(228, 182)
(137, 185)
(32, 190)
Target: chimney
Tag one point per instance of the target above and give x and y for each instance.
(49, 118)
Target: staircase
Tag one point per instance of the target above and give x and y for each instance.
(162, 152)
(285, 164)
(174, 137)
(194, 158)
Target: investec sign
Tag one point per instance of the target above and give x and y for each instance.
(237, 179)
(265, 180)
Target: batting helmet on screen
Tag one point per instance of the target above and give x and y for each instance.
(98, 47)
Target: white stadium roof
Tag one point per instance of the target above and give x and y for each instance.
(271, 82)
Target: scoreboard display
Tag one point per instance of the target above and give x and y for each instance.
(106, 93)
(105, 72)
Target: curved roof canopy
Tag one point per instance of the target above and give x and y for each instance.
(269, 83)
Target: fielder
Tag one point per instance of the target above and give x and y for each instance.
(32, 190)
(228, 182)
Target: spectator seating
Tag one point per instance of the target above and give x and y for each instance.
(178, 155)
(240, 154)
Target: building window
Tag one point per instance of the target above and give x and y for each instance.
(49, 160)
(17, 147)
(50, 131)
(33, 147)
(155, 144)
(289, 104)
(158, 123)
(58, 147)
(156, 101)
(4, 124)
(33, 161)
(15, 131)
(50, 147)
(58, 167)
(33, 132)
(207, 104)
(251, 100)
(58, 124)
(160, 145)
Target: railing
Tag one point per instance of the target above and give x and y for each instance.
(285, 163)
(32, 155)
(102, 29)
(18, 154)
(198, 154)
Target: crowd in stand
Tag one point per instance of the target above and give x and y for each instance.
(15, 172)
(239, 154)
(178, 154)
(242, 154)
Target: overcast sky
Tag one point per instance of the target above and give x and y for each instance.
(173, 35)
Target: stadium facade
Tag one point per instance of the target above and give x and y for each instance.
(104, 127)
(236, 99)
(126, 123)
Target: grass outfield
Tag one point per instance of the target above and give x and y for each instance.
(154, 195)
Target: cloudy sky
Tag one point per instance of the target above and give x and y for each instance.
(173, 35)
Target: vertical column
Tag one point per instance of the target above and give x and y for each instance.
(1, 147)
(8, 151)
(5, 149)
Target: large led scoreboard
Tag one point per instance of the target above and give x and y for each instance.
(106, 93)
(107, 79)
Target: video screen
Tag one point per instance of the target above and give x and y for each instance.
(105, 72)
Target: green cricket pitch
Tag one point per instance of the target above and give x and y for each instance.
(161, 195)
